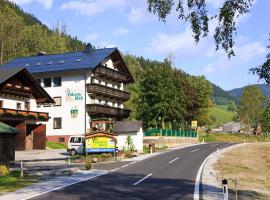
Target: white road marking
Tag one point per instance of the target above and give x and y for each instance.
(124, 166)
(213, 145)
(195, 150)
(58, 188)
(173, 160)
(133, 163)
(142, 179)
(115, 169)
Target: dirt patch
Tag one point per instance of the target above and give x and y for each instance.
(250, 166)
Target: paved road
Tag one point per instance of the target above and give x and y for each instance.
(170, 175)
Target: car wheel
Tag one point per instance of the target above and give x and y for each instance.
(72, 152)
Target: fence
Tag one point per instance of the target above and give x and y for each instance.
(174, 133)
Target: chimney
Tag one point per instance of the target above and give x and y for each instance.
(88, 48)
(42, 53)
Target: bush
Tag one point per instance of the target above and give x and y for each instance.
(88, 164)
(4, 170)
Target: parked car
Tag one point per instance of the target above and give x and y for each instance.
(75, 145)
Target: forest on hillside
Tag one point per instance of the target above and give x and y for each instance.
(162, 96)
(22, 34)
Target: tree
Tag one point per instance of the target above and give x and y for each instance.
(263, 71)
(266, 120)
(196, 13)
(252, 105)
(232, 106)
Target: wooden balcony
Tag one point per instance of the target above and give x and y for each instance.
(21, 115)
(97, 89)
(15, 89)
(111, 74)
(104, 110)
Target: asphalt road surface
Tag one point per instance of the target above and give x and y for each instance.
(169, 175)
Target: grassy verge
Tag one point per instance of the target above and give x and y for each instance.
(13, 182)
(221, 114)
(232, 137)
(55, 145)
(250, 166)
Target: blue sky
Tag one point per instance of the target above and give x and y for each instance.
(127, 25)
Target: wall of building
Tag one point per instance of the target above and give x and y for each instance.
(137, 139)
(11, 102)
(72, 109)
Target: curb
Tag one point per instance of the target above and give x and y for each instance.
(211, 185)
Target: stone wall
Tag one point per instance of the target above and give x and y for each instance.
(161, 141)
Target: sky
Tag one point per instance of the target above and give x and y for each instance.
(128, 25)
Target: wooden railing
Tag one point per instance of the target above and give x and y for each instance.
(16, 89)
(107, 91)
(105, 110)
(23, 114)
(111, 73)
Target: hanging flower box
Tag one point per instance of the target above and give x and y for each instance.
(32, 114)
(23, 113)
(11, 112)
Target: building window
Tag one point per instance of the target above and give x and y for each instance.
(61, 139)
(47, 82)
(47, 104)
(58, 101)
(57, 82)
(57, 123)
(1, 103)
(19, 106)
(27, 106)
(38, 105)
(39, 81)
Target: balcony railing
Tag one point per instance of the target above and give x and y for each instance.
(104, 110)
(111, 74)
(12, 114)
(95, 88)
(16, 90)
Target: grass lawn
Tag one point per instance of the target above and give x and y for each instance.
(250, 165)
(55, 145)
(231, 137)
(14, 182)
(221, 114)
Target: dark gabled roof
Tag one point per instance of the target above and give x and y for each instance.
(6, 129)
(7, 72)
(127, 126)
(66, 61)
(38, 92)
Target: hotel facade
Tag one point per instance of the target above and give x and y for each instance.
(87, 88)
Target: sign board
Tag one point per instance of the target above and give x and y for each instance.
(100, 144)
(194, 124)
(74, 112)
(73, 95)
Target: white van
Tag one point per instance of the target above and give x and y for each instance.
(75, 145)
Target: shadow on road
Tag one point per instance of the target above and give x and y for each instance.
(118, 186)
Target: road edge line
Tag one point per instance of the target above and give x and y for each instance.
(58, 188)
(196, 195)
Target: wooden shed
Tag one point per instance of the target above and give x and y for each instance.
(7, 144)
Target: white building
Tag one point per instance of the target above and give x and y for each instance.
(85, 85)
(134, 129)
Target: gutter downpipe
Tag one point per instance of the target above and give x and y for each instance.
(85, 133)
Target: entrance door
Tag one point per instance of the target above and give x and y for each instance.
(29, 138)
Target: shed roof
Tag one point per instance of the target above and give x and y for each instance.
(81, 60)
(6, 129)
(127, 126)
(8, 72)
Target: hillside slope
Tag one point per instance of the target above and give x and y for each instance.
(237, 92)
(221, 114)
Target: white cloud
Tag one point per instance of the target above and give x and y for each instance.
(91, 37)
(209, 69)
(46, 3)
(93, 7)
(121, 31)
(136, 15)
(107, 44)
(181, 44)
